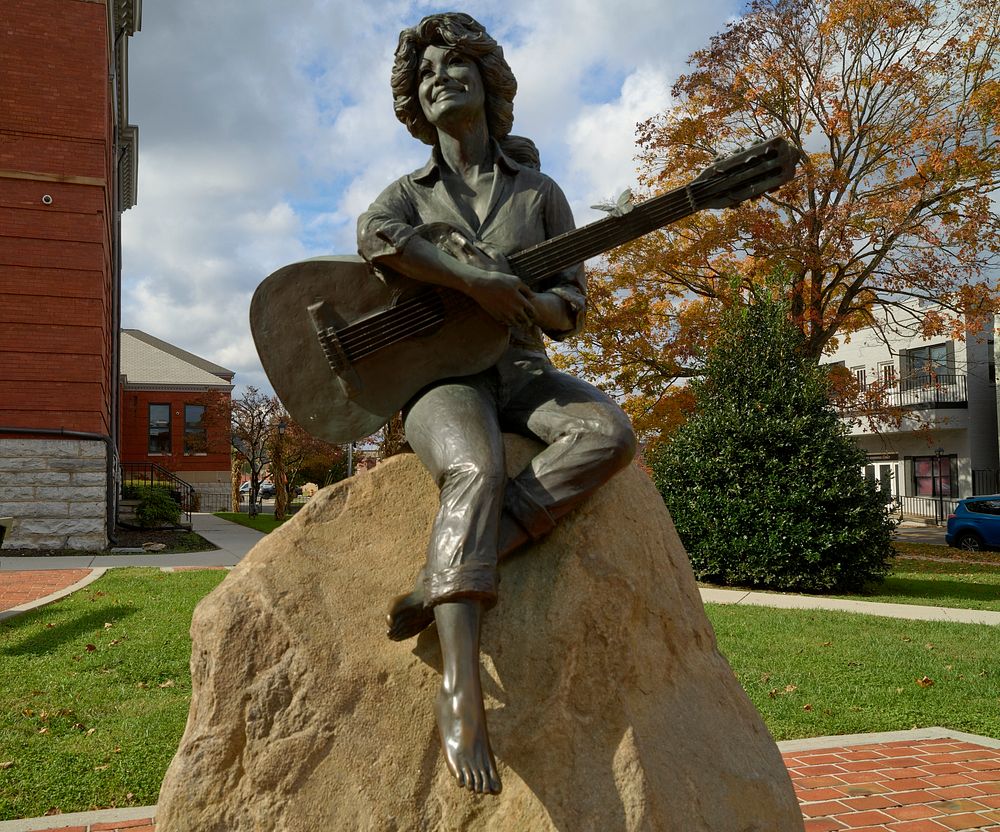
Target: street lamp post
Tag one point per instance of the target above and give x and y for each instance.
(938, 481)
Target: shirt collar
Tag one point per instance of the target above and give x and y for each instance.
(431, 170)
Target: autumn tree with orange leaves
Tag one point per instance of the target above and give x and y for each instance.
(894, 107)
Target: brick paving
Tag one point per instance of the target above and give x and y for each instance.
(930, 785)
(923, 785)
(18, 588)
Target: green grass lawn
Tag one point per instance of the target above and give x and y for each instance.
(95, 691)
(933, 583)
(815, 673)
(940, 576)
(261, 522)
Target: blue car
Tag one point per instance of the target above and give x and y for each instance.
(975, 525)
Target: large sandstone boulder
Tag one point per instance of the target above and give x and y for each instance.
(609, 706)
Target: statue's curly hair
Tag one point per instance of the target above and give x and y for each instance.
(459, 31)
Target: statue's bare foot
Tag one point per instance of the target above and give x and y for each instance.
(407, 615)
(462, 723)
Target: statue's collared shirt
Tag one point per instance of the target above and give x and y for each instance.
(526, 208)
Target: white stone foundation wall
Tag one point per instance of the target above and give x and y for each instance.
(56, 491)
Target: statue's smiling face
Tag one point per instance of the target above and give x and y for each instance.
(449, 85)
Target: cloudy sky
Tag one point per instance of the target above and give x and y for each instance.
(265, 129)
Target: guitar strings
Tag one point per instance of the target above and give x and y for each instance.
(401, 330)
(659, 209)
(427, 306)
(418, 313)
(609, 229)
(675, 205)
(357, 330)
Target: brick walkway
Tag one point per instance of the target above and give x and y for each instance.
(926, 785)
(18, 588)
(933, 785)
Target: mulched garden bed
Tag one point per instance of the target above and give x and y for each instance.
(176, 540)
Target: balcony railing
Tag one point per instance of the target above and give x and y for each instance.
(913, 393)
(939, 391)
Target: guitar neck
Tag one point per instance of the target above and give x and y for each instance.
(540, 261)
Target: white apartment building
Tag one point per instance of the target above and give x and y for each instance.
(938, 440)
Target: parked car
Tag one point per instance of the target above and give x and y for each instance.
(266, 491)
(975, 525)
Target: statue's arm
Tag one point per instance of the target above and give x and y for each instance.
(560, 310)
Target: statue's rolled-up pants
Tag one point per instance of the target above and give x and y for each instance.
(455, 427)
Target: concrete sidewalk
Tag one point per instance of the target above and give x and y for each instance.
(233, 540)
(786, 601)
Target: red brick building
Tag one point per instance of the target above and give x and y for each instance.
(68, 160)
(175, 410)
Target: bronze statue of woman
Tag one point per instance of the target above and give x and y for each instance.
(454, 91)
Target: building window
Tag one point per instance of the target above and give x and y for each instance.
(159, 429)
(928, 362)
(195, 440)
(861, 376)
(933, 476)
(887, 373)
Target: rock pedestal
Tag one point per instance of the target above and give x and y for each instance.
(608, 704)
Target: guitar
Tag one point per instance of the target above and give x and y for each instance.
(345, 350)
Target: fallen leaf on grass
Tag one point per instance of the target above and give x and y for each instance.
(807, 707)
(6, 764)
(925, 682)
(791, 688)
(91, 648)
(142, 685)
(43, 730)
(167, 684)
(102, 768)
(108, 625)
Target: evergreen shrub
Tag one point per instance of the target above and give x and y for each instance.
(763, 482)
(157, 506)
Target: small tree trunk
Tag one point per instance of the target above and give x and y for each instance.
(236, 475)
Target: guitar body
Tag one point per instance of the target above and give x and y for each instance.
(344, 406)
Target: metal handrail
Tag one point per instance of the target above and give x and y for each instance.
(150, 474)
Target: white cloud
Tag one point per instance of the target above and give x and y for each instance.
(265, 129)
